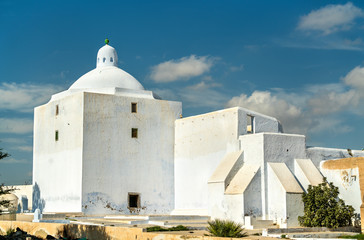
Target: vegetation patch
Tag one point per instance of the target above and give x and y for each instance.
(358, 236)
(161, 229)
(323, 207)
(225, 228)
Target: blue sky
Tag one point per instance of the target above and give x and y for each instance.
(299, 61)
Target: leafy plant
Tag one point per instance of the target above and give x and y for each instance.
(225, 228)
(323, 207)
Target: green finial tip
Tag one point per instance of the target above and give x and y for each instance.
(106, 41)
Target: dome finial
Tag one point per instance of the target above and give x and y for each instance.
(106, 41)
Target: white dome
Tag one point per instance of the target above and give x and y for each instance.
(107, 74)
(107, 56)
(106, 77)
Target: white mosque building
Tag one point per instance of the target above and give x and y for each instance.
(108, 146)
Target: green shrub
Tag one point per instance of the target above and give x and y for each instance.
(225, 228)
(323, 207)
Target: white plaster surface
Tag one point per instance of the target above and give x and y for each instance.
(283, 187)
(294, 208)
(201, 142)
(107, 77)
(235, 207)
(347, 180)
(276, 196)
(217, 206)
(57, 165)
(106, 56)
(95, 163)
(253, 196)
(115, 164)
(318, 154)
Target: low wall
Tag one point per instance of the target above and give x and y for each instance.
(95, 232)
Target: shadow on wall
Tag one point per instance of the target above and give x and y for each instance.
(38, 202)
(74, 231)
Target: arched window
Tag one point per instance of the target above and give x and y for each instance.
(111, 59)
(104, 59)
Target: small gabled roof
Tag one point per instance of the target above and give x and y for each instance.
(242, 179)
(225, 166)
(285, 177)
(312, 174)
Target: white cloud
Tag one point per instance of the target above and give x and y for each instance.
(25, 148)
(355, 78)
(24, 97)
(315, 108)
(203, 85)
(331, 102)
(16, 125)
(13, 140)
(181, 69)
(12, 160)
(291, 116)
(204, 97)
(203, 94)
(331, 18)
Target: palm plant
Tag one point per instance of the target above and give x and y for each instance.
(225, 228)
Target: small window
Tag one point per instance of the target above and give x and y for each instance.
(134, 200)
(56, 135)
(98, 60)
(134, 133)
(250, 124)
(104, 59)
(57, 109)
(111, 59)
(133, 107)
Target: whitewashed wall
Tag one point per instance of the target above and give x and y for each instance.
(253, 197)
(201, 142)
(347, 180)
(318, 154)
(271, 147)
(57, 165)
(116, 164)
(235, 207)
(294, 208)
(217, 205)
(276, 197)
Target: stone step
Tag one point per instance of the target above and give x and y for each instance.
(259, 224)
